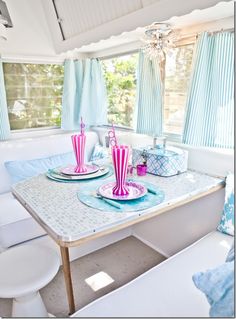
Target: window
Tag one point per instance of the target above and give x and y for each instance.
(120, 76)
(177, 77)
(34, 94)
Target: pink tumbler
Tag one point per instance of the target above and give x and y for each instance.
(141, 169)
(78, 142)
(120, 156)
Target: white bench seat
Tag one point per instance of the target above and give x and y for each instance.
(167, 290)
(16, 224)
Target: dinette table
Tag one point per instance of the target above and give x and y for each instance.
(69, 222)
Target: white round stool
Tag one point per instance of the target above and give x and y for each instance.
(24, 270)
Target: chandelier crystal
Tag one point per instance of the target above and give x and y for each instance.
(159, 38)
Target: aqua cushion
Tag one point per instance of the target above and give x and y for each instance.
(226, 224)
(230, 256)
(20, 170)
(218, 286)
(99, 152)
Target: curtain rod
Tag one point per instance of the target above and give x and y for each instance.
(194, 34)
(115, 55)
(221, 31)
(188, 36)
(231, 30)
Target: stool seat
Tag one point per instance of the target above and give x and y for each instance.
(25, 269)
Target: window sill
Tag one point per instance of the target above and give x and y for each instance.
(117, 127)
(210, 150)
(173, 137)
(176, 139)
(31, 133)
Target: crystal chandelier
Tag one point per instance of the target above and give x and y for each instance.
(159, 38)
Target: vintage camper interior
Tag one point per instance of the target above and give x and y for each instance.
(116, 158)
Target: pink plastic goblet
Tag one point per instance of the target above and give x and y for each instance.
(120, 156)
(78, 142)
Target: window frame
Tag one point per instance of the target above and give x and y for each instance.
(25, 60)
(118, 55)
(60, 61)
(174, 137)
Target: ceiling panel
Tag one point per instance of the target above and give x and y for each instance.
(89, 21)
(78, 16)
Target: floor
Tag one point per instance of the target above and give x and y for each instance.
(114, 265)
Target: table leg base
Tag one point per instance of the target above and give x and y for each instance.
(67, 276)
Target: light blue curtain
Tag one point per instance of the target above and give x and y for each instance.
(84, 94)
(72, 89)
(4, 120)
(94, 98)
(209, 119)
(149, 100)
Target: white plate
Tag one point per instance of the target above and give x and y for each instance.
(56, 174)
(136, 190)
(70, 170)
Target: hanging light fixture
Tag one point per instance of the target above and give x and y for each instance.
(159, 38)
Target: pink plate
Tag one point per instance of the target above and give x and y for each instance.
(136, 190)
(70, 170)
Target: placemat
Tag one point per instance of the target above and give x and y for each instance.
(87, 195)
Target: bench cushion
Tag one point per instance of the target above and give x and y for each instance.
(20, 170)
(16, 224)
(166, 290)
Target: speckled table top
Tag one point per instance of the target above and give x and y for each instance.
(57, 208)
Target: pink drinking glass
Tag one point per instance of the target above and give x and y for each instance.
(78, 142)
(141, 169)
(120, 156)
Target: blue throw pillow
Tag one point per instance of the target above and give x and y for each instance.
(218, 286)
(99, 152)
(227, 220)
(20, 170)
(230, 256)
